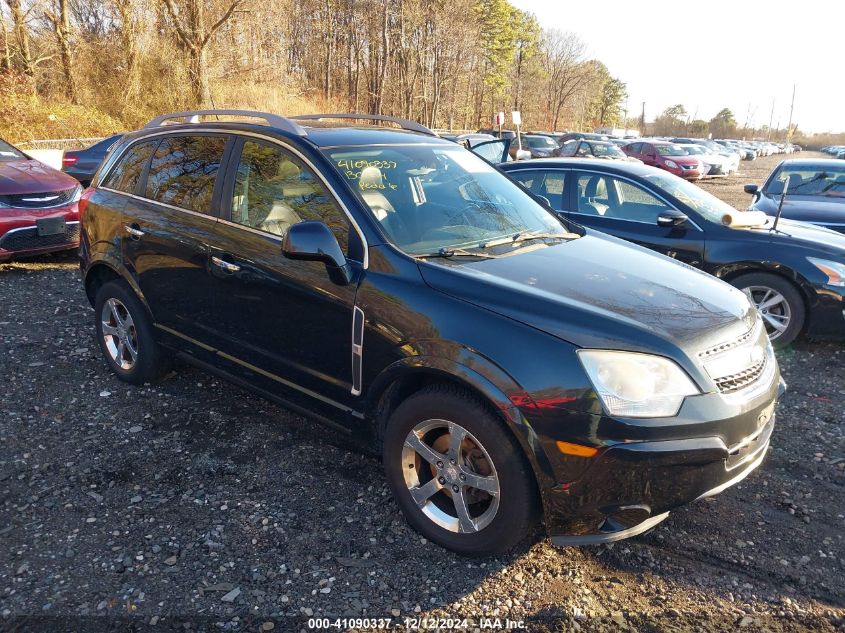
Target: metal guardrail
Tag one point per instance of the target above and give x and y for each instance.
(59, 143)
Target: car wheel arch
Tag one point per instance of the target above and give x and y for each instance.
(407, 376)
(731, 272)
(101, 272)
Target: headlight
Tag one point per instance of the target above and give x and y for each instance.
(77, 193)
(835, 271)
(672, 164)
(636, 385)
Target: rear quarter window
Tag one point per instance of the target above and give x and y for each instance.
(127, 172)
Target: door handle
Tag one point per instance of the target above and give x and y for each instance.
(133, 230)
(228, 267)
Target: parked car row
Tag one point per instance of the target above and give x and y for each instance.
(837, 151)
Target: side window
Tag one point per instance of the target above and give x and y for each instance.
(274, 189)
(583, 149)
(184, 170)
(127, 172)
(619, 199)
(549, 184)
(637, 204)
(637, 148)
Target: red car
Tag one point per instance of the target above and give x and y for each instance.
(39, 206)
(668, 156)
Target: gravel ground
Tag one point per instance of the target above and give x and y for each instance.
(190, 504)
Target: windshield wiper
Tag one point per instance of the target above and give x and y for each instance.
(524, 237)
(455, 252)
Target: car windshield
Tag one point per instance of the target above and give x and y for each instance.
(607, 149)
(540, 142)
(10, 152)
(807, 180)
(705, 203)
(693, 150)
(670, 150)
(433, 199)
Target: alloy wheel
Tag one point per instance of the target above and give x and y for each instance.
(450, 476)
(119, 334)
(773, 308)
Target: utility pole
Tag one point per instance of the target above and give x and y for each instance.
(642, 121)
(791, 109)
(771, 117)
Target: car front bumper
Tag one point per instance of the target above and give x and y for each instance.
(630, 486)
(20, 235)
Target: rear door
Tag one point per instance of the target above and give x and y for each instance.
(619, 206)
(168, 225)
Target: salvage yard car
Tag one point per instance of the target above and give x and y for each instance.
(38, 206)
(794, 273)
(507, 363)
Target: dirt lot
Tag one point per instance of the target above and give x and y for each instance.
(190, 504)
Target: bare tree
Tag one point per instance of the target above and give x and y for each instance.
(189, 21)
(563, 58)
(60, 22)
(28, 62)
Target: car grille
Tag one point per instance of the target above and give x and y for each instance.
(27, 239)
(739, 363)
(42, 200)
(735, 382)
(723, 347)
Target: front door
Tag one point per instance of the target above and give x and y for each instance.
(625, 209)
(283, 324)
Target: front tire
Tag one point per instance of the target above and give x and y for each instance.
(125, 335)
(458, 474)
(779, 304)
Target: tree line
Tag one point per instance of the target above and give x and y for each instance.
(447, 64)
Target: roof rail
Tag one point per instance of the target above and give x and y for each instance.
(405, 124)
(192, 116)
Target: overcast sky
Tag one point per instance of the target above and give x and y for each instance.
(717, 53)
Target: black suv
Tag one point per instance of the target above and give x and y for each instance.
(410, 296)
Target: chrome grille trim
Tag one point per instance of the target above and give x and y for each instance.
(728, 345)
(742, 379)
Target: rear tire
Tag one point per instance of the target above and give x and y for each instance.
(779, 304)
(125, 335)
(429, 430)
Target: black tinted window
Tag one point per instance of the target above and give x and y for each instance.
(184, 170)
(274, 189)
(127, 172)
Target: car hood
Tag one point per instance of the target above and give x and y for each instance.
(804, 235)
(31, 176)
(806, 208)
(601, 292)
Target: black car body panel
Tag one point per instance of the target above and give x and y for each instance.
(722, 251)
(508, 330)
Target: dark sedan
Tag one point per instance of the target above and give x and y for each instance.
(83, 163)
(794, 274)
(815, 192)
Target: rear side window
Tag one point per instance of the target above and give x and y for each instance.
(184, 170)
(126, 174)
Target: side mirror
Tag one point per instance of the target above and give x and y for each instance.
(314, 241)
(672, 219)
(751, 189)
